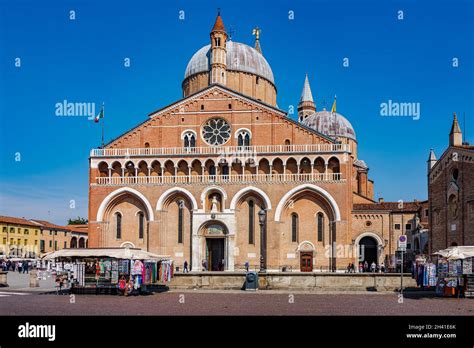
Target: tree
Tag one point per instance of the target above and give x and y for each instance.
(78, 221)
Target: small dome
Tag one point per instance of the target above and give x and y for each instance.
(329, 124)
(240, 57)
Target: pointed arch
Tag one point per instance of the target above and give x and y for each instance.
(121, 191)
(243, 191)
(161, 200)
(332, 202)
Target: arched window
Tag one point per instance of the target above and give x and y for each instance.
(212, 170)
(180, 221)
(189, 140)
(251, 222)
(243, 138)
(141, 219)
(294, 227)
(118, 224)
(225, 171)
(320, 227)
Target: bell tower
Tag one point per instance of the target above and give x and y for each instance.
(218, 52)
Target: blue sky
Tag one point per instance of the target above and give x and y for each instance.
(81, 60)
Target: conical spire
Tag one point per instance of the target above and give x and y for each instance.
(455, 136)
(306, 105)
(431, 160)
(455, 127)
(306, 94)
(219, 24)
(432, 156)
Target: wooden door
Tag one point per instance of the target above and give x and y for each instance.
(306, 261)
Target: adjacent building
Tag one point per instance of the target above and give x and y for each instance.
(451, 193)
(384, 223)
(21, 237)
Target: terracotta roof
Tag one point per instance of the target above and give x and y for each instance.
(389, 206)
(84, 228)
(49, 225)
(78, 228)
(17, 221)
(219, 24)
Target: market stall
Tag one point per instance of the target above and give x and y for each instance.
(455, 270)
(110, 270)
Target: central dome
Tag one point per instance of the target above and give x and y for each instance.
(239, 57)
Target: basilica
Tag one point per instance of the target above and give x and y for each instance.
(223, 177)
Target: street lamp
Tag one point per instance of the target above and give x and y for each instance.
(262, 216)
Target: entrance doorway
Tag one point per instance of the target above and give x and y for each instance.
(306, 261)
(215, 254)
(368, 250)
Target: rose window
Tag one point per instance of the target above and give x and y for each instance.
(216, 131)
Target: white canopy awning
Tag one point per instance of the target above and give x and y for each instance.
(456, 252)
(117, 253)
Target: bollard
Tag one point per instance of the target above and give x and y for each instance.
(34, 281)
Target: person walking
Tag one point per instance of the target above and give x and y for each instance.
(25, 267)
(382, 267)
(366, 266)
(373, 267)
(185, 267)
(19, 266)
(247, 265)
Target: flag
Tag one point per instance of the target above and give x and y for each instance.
(333, 109)
(99, 115)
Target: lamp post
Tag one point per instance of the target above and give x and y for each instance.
(262, 216)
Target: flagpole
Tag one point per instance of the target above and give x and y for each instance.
(103, 114)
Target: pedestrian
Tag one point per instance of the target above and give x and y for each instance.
(348, 268)
(122, 285)
(382, 267)
(20, 266)
(185, 267)
(129, 288)
(247, 265)
(353, 268)
(366, 266)
(25, 267)
(373, 266)
(59, 284)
